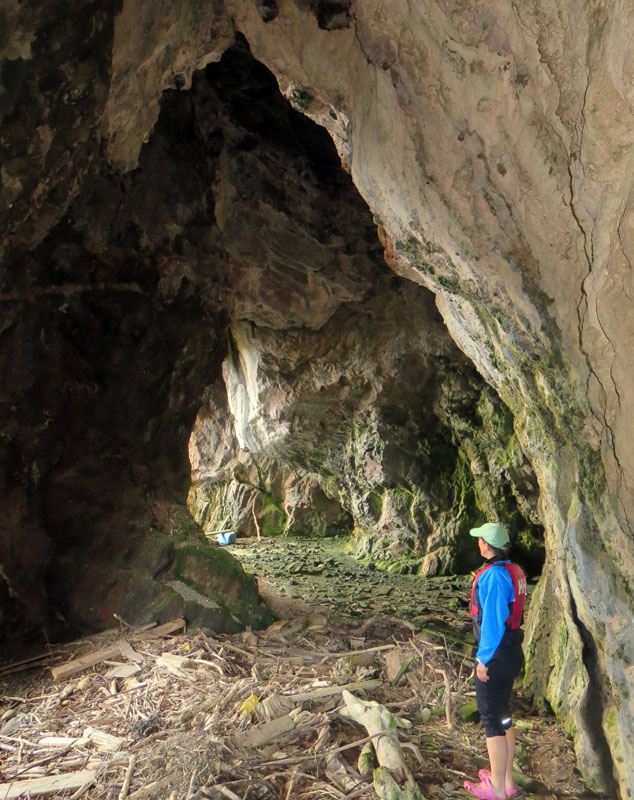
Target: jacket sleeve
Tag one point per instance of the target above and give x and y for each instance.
(495, 592)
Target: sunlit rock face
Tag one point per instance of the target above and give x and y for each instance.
(492, 143)
(375, 422)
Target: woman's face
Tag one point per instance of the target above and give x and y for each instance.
(483, 547)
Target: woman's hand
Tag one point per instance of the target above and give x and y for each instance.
(482, 672)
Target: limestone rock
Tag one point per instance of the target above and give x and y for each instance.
(492, 143)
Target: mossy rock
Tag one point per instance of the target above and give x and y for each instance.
(215, 574)
(272, 519)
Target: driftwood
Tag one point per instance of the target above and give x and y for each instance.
(119, 648)
(260, 735)
(123, 671)
(388, 789)
(37, 787)
(151, 789)
(182, 716)
(89, 660)
(392, 772)
(277, 705)
(341, 773)
(128, 778)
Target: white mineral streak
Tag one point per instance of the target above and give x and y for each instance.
(250, 401)
(493, 143)
(240, 375)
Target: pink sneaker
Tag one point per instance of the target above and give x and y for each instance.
(485, 774)
(483, 790)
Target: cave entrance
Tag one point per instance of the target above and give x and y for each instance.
(343, 404)
(237, 264)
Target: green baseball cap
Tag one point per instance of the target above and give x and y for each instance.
(494, 534)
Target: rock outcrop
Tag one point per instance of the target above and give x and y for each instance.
(492, 143)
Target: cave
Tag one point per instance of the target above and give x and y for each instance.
(238, 245)
(297, 271)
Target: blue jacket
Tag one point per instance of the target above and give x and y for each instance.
(495, 593)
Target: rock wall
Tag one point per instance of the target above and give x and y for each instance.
(492, 143)
(375, 422)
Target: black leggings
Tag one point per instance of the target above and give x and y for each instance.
(494, 695)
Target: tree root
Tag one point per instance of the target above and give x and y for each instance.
(392, 778)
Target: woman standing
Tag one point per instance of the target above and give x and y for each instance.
(497, 609)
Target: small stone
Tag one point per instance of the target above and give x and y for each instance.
(469, 712)
(12, 725)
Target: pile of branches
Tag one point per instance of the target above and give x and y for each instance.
(309, 708)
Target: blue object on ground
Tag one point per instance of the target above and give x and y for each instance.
(226, 538)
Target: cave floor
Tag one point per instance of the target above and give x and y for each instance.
(185, 715)
(324, 574)
(179, 715)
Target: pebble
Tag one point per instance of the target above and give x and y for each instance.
(12, 725)
(349, 587)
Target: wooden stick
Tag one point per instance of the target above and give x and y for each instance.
(61, 741)
(233, 647)
(76, 795)
(51, 784)
(46, 760)
(291, 783)
(327, 691)
(443, 672)
(128, 778)
(346, 653)
(255, 519)
(150, 788)
(227, 792)
(308, 756)
(78, 664)
(129, 652)
(162, 630)
(27, 663)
